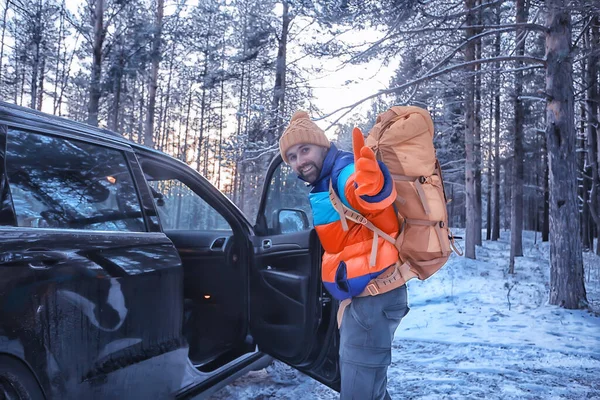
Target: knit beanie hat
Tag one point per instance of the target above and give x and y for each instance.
(301, 130)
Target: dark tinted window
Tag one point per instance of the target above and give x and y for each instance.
(180, 208)
(68, 184)
(286, 191)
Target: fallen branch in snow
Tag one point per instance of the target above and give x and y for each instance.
(509, 287)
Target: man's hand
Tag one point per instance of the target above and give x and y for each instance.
(368, 176)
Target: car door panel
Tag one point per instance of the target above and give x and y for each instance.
(292, 318)
(120, 291)
(291, 286)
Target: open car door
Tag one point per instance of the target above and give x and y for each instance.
(292, 318)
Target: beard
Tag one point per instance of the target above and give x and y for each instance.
(312, 175)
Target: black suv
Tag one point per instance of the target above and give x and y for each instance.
(125, 274)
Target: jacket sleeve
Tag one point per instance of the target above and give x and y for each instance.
(366, 204)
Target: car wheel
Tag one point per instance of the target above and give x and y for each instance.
(17, 382)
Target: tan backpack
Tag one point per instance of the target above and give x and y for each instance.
(403, 139)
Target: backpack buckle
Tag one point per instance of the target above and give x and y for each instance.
(372, 289)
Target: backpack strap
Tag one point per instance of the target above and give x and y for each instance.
(347, 213)
(418, 181)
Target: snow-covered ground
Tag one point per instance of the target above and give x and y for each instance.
(475, 332)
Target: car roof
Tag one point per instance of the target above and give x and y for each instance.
(29, 117)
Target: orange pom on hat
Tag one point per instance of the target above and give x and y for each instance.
(301, 130)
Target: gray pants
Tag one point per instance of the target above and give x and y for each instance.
(366, 335)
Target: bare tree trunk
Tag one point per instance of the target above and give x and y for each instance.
(471, 158)
(592, 104)
(488, 230)
(153, 80)
(516, 209)
(278, 103)
(40, 95)
(496, 188)
(140, 135)
(22, 86)
(116, 106)
(220, 145)
(202, 112)
(132, 111)
(546, 224)
(59, 45)
(37, 53)
(2, 42)
(583, 187)
(187, 128)
(566, 262)
(477, 147)
(95, 92)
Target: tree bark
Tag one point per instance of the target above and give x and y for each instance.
(132, 117)
(278, 103)
(58, 57)
(142, 103)
(566, 262)
(592, 104)
(40, 94)
(187, 127)
(477, 144)
(2, 41)
(546, 224)
(202, 113)
(95, 92)
(490, 158)
(220, 145)
(470, 187)
(516, 209)
(37, 44)
(116, 106)
(584, 187)
(153, 79)
(496, 187)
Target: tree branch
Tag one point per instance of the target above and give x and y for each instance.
(463, 13)
(528, 25)
(349, 108)
(273, 149)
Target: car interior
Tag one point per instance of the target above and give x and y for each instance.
(213, 257)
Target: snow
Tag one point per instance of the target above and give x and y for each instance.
(476, 332)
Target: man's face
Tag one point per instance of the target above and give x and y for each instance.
(307, 160)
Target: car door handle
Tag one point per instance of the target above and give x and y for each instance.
(36, 259)
(267, 244)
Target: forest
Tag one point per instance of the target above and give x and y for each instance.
(512, 86)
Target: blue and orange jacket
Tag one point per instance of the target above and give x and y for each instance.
(345, 269)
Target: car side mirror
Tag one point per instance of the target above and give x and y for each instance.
(288, 220)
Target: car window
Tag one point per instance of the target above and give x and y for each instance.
(69, 184)
(287, 208)
(180, 208)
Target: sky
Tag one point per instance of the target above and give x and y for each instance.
(338, 85)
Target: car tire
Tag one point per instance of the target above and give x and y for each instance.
(17, 381)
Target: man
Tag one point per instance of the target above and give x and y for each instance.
(361, 274)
